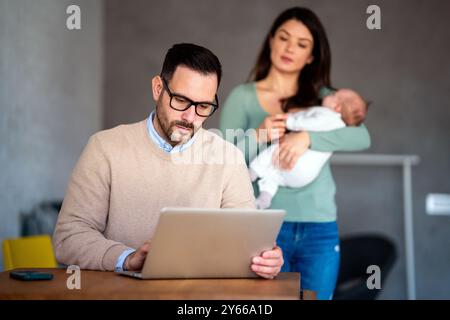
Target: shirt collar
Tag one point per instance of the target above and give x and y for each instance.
(163, 144)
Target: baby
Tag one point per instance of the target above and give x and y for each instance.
(343, 108)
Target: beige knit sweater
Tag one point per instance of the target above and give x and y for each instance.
(123, 179)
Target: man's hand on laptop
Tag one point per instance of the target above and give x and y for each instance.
(269, 263)
(135, 261)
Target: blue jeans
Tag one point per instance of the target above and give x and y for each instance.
(312, 249)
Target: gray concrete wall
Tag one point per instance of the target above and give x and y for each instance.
(402, 68)
(50, 100)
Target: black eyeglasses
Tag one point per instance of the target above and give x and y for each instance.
(182, 103)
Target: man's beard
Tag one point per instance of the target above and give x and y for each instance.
(176, 135)
(171, 130)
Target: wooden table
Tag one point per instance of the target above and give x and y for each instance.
(108, 285)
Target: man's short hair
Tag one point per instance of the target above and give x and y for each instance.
(192, 56)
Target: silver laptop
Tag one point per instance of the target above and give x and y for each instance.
(209, 243)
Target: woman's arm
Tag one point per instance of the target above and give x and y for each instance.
(296, 143)
(344, 139)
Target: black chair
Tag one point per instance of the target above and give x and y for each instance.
(41, 219)
(357, 253)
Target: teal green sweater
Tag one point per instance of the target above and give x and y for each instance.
(314, 202)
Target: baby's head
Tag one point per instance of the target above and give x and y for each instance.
(349, 104)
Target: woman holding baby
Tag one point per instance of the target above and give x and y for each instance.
(292, 73)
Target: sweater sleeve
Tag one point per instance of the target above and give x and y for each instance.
(78, 238)
(344, 139)
(237, 190)
(234, 124)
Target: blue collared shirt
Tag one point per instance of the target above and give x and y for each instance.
(164, 145)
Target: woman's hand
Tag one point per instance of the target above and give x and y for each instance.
(290, 148)
(272, 128)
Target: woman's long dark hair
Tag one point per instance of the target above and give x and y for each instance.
(314, 75)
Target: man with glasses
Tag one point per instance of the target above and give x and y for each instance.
(127, 174)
